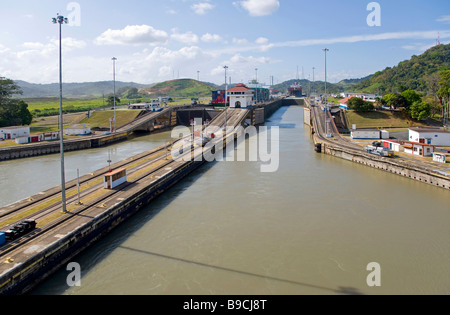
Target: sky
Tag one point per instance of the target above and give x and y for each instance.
(268, 40)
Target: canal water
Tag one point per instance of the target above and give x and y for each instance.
(312, 227)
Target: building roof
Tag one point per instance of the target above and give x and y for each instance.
(392, 141)
(424, 129)
(14, 127)
(418, 143)
(345, 100)
(240, 88)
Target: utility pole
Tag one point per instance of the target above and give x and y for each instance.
(114, 79)
(61, 20)
(226, 88)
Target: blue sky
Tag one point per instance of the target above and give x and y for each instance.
(162, 40)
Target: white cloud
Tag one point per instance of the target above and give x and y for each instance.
(132, 34)
(365, 38)
(238, 59)
(202, 8)
(262, 41)
(444, 19)
(188, 38)
(418, 46)
(211, 38)
(259, 7)
(240, 41)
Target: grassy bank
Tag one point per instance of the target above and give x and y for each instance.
(101, 119)
(380, 119)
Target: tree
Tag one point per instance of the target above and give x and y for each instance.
(131, 93)
(110, 101)
(394, 100)
(411, 97)
(444, 93)
(359, 105)
(12, 111)
(420, 110)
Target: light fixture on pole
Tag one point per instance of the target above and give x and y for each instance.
(61, 20)
(114, 79)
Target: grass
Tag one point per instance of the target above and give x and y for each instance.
(101, 118)
(380, 119)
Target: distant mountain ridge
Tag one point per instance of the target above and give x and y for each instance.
(180, 87)
(74, 90)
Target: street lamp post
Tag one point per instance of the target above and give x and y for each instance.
(256, 84)
(313, 78)
(61, 20)
(114, 79)
(326, 97)
(226, 91)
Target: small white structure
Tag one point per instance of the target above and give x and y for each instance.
(48, 136)
(439, 157)
(241, 96)
(365, 134)
(365, 96)
(14, 132)
(115, 178)
(434, 136)
(393, 145)
(78, 130)
(416, 148)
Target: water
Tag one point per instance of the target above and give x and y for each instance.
(310, 228)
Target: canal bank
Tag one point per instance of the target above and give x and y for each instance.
(403, 168)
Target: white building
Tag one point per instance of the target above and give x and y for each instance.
(365, 96)
(369, 134)
(77, 130)
(241, 96)
(434, 136)
(14, 132)
(416, 148)
(393, 145)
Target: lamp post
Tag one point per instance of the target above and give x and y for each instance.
(326, 97)
(256, 84)
(313, 78)
(114, 79)
(226, 91)
(61, 20)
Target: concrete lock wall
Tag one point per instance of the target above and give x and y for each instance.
(389, 166)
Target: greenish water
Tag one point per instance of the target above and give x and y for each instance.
(312, 227)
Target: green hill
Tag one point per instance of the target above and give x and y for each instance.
(181, 88)
(73, 90)
(409, 74)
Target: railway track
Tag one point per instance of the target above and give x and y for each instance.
(47, 212)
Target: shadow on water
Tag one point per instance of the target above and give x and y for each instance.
(340, 290)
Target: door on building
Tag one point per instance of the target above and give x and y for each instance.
(238, 104)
